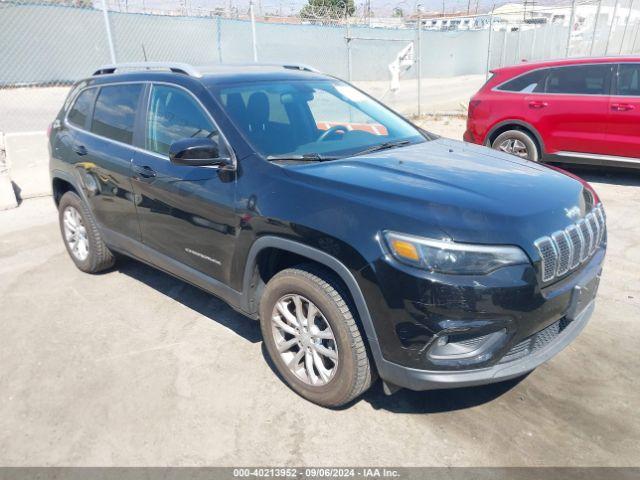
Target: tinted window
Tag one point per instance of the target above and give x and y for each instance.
(115, 112)
(579, 79)
(527, 83)
(175, 115)
(81, 108)
(628, 80)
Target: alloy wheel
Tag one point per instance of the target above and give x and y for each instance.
(75, 233)
(304, 339)
(515, 147)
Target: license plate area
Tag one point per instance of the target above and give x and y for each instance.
(581, 296)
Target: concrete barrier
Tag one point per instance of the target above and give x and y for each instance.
(7, 194)
(27, 160)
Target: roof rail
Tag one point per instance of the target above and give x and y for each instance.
(174, 67)
(186, 69)
(300, 66)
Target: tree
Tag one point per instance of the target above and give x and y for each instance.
(327, 9)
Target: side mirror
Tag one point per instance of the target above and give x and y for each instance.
(197, 152)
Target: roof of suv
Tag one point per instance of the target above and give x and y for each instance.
(212, 74)
(526, 66)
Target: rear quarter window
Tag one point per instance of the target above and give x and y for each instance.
(526, 83)
(82, 108)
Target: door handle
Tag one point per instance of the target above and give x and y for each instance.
(144, 171)
(622, 107)
(80, 149)
(537, 104)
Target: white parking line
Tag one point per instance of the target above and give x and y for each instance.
(25, 134)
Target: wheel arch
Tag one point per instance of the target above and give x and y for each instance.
(251, 285)
(513, 124)
(61, 183)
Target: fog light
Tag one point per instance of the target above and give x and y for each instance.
(462, 345)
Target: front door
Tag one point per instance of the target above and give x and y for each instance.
(185, 213)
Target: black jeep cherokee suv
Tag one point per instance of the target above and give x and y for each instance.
(364, 245)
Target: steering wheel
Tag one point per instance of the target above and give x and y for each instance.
(331, 131)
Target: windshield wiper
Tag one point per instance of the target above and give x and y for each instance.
(383, 146)
(305, 157)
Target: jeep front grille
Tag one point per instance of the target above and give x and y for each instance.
(567, 249)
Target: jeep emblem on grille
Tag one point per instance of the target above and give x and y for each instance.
(573, 213)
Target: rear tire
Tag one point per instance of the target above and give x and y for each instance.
(518, 143)
(81, 235)
(322, 356)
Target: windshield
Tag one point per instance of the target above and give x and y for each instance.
(325, 118)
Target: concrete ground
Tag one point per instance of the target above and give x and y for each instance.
(134, 367)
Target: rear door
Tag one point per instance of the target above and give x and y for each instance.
(623, 134)
(103, 120)
(185, 212)
(572, 113)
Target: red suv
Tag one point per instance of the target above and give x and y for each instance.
(575, 110)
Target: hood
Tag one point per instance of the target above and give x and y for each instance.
(471, 193)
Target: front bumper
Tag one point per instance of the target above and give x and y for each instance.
(416, 379)
(530, 324)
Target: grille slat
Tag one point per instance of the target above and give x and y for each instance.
(600, 217)
(595, 233)
(548, 255)
(586, 234)
(576, 246)
(566, 249)
(563, 249)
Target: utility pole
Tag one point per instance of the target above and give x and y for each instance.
(635, 37)
(348, 38)
(107, 26)
(595, 28)
(626, 24)
(571, 19)
(418, 55)
(489, 42)
(253, 32)
(613, 21)
(527, 3)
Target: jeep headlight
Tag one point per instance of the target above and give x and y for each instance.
(449, 257)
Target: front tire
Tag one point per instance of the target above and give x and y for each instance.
(81, 235)
(312, 337)
(518, 143)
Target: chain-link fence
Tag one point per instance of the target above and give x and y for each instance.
(402, 58)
